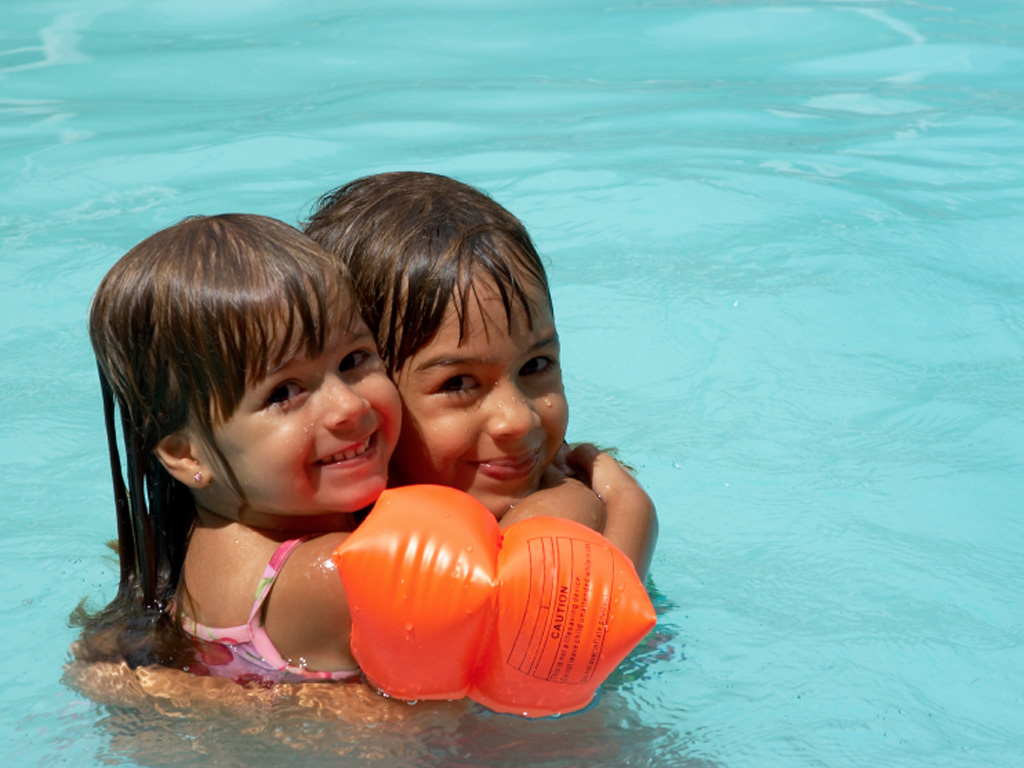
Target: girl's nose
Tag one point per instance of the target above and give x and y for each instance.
(341, 404)
(512, 413)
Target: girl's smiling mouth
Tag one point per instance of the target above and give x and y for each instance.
(507, 468)
(349, 453)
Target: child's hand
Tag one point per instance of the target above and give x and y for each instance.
(606, 476)
(632, 523)
(559, 464)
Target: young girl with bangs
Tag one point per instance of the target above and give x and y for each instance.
(259, 422)
(456, 294)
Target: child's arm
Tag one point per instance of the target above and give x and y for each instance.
(429, 629)
(559, 496)
(632, 523)
(307, 614)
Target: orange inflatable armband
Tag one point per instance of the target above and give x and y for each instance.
(443, 606)
(419, 575)
(570, 609)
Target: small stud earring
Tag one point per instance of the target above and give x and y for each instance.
(198, 477)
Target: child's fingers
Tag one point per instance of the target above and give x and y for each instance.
(607, 475)
(584, 453)
(583, 458)
(561, 460)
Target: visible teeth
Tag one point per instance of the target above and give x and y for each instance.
(351, 453)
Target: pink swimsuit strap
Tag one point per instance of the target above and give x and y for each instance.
(249, 650)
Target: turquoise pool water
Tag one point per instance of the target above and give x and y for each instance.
(785, 240)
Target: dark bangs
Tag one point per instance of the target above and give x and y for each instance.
(455, 276)
(416, 242)
(280, 309)
(262, 311)
(192, 315)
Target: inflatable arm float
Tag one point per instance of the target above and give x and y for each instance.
(444, 605)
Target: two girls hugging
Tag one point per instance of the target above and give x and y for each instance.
(272, 383)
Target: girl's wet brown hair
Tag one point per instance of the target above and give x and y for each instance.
(415, 242)
(180, 326)
(172, 320)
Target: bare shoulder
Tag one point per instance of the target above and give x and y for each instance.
(560, 496)
(309, 576)
(307, 615)
(222, 568)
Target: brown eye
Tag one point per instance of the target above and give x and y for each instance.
(458, 384)
(536, 365)
(355, 359)
(283, 393)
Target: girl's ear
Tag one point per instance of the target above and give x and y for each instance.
(183, 461)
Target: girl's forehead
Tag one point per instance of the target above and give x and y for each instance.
(291, 339)
(484, 311)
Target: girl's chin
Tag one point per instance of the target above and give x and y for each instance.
(354, 496)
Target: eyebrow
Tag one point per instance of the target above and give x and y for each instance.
(443, 361)
(346, 337)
